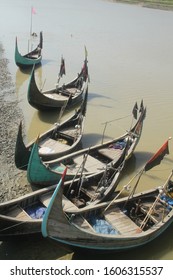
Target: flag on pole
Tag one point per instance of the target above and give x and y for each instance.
(86, 53)
(135, 110)
(33, 11)
(85, 70)
(141, 106)
(62, 67)
(158, 156)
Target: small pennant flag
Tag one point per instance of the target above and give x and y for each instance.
(135, 110)
(62, 67)
(141, 106)
(157, 158)
(85, 70)
(86, 53)
(33, 11)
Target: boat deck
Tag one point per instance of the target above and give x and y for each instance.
(52, 146)
(83, 224)
(62, 95)
(111, 153)
(61, 144)
(68, 206)
(92, 165)
(121, 222)
(18, 213)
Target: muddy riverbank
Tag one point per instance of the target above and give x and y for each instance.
(13, 182)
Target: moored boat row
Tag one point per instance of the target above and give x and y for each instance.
(77, 202)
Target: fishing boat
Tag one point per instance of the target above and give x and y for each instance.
(89, 161)
(62, 138)
(122, 224)
(33, 57)
(23, 216)
(55, 98)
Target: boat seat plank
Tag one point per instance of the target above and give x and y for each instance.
(68, 206)
(111, 153)
(56, 96)
(72, 91)
(121, 222)
(91, 164)
(45, 199)
(90, 191)
(71, 132)
(52, 146)
(82, 223)
(18, 213)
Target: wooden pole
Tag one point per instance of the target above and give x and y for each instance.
(31, 23)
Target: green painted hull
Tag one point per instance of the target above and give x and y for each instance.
(28, 60)
(39, 173)
(91, 162)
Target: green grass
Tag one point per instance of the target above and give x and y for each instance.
(159, 4)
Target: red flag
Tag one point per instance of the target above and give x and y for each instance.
(63, 175)
(62, 67)
(33, 11)
(157, 158)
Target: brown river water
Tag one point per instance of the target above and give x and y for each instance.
(130, 58)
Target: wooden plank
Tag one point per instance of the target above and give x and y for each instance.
(90, 191)
(111, 153)
(91, 165)
(82, 223)
(68, 206)
(18, 213)
(56, 96)
(45, 199)
(120, 221)
(51, 145)
(70, 132)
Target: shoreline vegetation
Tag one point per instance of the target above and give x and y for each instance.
(154, 4)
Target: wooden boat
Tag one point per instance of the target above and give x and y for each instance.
(60, 139)
(33, 57)
(89, 161)
(122, 224)
(23, 216)
(70, 93)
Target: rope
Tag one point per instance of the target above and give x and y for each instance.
(117, 119)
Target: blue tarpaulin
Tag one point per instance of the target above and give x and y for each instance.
(36, 211)
(102, 226)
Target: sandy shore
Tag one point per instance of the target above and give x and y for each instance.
(13, 182)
